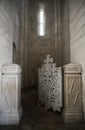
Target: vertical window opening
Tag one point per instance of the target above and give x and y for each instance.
(41, 20)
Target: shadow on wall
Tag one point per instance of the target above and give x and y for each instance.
(14, 53)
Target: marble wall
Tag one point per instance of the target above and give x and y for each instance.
(6, 36)
(77, 37)
(8, 32)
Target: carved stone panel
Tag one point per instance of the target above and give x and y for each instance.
(11, 110)
(9, 102)
(72, 94)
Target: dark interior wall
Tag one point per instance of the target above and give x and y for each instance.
(65, 31)
(34, 48)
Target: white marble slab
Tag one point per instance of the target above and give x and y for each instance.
(11, 109)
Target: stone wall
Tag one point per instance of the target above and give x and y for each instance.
(34, 48)
(8, 32)
(77, 37)
(15, 13)
(65, 31)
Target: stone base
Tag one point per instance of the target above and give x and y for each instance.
(73, 117)
(9, 119)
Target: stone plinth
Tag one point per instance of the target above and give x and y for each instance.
(72, 94)
(11, 110)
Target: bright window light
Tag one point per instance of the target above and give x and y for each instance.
(41, 21)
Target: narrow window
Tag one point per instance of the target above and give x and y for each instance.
(41, 21)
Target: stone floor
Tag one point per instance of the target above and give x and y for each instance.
(36, 117)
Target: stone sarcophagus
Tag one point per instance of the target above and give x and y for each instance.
(11, 110)
(72, 94)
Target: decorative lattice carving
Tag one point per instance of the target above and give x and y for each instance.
(50, 84)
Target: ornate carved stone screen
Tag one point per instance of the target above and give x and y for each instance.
(72, 93)
(50, 84)
(11, 110)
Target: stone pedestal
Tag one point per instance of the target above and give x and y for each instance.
(72, 94)
(11, 110)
